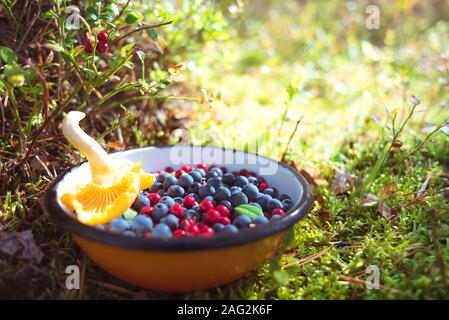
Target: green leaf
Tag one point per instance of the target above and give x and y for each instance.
(129, 214)
(7, 55)
(106, 16)
(126, 50)
(54, 46)
(249, 211)
(153, 34)
(281, 277)
(50, 15)
(133, 16)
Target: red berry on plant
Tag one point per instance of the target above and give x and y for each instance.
(102, 36)
(87, 46)
(102, 47)
(224, 211)
(278, 211)
(154, 198)
(146, 210)
(177, 210)
(206, 205)
(189, 202)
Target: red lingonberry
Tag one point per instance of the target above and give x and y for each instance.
(87, 46)
(206, 232)
(243, 172)
(147, 235)
(169, 170)
(193, 230)
(147, 210)
(278, 211)
(224, 211)
(177, 210)
(224, 220)
(187, 168)
(154, 198)
(212, 216)
(252, 174)
(179, 173)
(179, 233)
(189, 202)
(202, 166)
(102, 47)
(235, 173)
(262, 186)
(186, 223)
(206, 205)
(102, 36)
(158, 171)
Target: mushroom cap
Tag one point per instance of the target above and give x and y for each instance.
(99, 203)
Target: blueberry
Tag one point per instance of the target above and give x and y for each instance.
(283, 197)
(273, 204)
(241, 181)
(155, 187)
(178, 200)
(215, 182)
(260, 220)
(171, 220)
(211, 174)
(222, 193)
(161, 231)
(254, 181)
(196, 196)
(211, 198)
(255, 204)
(241, 221)
(160, 210)
(161, 177)
(217, 170)
(167, 201)
(275, 217)
(228, 179)
(129, 233)
(185, 181)
(196, 175)
(201, 171)
(194, 214)
(251, 191)
(206, 190)
(169, 181)
(288, 204)
(119, 225)
(142, 224)
(272, 192)
(161, 192)
(195, 187)
(230, 229)
(235, 189)
(227, 204)
(263, 200)
(175, 191)
(238, 198)
(140, 202)
(217, 227)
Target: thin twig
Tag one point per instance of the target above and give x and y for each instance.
(290, 139)
(142, 28)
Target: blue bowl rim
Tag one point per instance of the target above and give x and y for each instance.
(67, 220)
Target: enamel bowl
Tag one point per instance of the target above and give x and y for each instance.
(184, 264)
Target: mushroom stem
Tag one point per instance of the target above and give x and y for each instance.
(102, 171)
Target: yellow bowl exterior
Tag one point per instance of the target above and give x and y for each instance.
(181, 271)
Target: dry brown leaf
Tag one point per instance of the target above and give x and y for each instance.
(369, 201)
(323, 214)
(308, 177)
(384, 210)
(342, 183)
(389, 189)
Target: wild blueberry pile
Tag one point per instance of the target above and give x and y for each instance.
(200, 202)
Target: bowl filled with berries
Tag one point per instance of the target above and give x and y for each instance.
(176, 218)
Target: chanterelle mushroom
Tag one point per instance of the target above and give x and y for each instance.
(112, 189)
